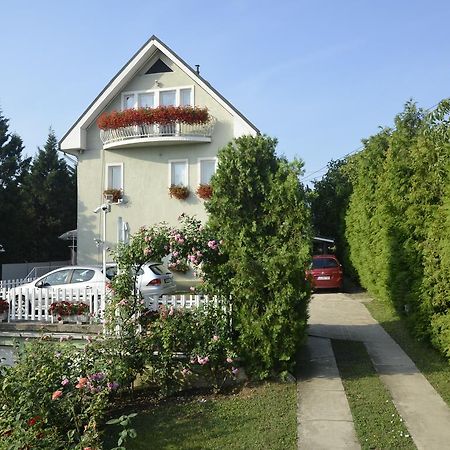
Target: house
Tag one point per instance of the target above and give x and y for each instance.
(137, 162)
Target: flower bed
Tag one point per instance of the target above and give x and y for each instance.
(162, 115)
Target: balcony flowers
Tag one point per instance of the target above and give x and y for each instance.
(179, 191)
(204, 191)
(161, 115)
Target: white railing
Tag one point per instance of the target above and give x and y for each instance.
(177, 129)
(9, 284)
(34, 304)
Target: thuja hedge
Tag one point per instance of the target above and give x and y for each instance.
(397, 223)
(258, 210)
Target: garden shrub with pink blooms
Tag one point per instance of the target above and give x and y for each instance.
(191, 345)
(55, 396)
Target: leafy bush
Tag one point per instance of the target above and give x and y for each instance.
(259, 212)
(55, 396)
(187, 344)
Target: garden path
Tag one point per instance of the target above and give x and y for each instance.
(344, 316)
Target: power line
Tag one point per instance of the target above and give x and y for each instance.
(309, 176)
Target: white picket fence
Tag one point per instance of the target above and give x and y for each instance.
(34, 304)
(9, 284)
(178, 301)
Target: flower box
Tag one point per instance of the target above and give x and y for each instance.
(69, 312)
(161, 115)
(204, 191)
(113, 195)
(178, 191)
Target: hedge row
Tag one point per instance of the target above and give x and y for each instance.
(397, 222)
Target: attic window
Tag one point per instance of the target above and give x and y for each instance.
(159, 67)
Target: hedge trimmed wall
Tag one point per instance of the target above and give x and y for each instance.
(397, 222)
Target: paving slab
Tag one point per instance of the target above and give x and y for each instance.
(426, 415)
(324, 417)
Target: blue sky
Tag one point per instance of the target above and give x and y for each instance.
(319, 76)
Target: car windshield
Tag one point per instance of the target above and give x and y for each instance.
(324, 263)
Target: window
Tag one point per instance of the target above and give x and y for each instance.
(114, 176)
(182, 96)
(146, 100)
(207, 169)
(82, 275)
(167, 98)
(128, 101)
(185, 97)
(178, 172)
(55, 278)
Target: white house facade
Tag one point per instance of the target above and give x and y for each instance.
(144, 161)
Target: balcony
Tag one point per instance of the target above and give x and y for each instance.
(153, 134)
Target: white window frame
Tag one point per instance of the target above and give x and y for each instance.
(108, 165)
(156, 93)
(199, 163)
(186, 162)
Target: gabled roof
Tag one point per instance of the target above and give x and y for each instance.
(75, 138)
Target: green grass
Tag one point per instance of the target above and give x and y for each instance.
(377, 422)
(258, 417)
(431, 363)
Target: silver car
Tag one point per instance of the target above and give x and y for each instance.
(155, 280)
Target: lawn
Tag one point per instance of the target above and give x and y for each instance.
(259, 417)
(433, 366)
(377, 422)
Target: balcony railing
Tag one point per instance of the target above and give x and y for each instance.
(147, 134)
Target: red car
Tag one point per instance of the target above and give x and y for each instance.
(326, 273)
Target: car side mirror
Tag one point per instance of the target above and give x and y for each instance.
(42, 284)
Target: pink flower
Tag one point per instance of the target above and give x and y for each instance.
(215, 338)
(229, 360)
(203, 361)
(175, 254)
(65, 382)
(57, 394)
(147, 251)
(185, 372)
(82, 382)
(171, 311)
(235, 370)
(192, 288)
(213, 245)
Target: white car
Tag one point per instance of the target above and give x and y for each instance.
(154, 279)
(71, 277)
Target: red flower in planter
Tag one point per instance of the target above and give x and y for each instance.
(204, 191)
(179, 192)
(162, 115)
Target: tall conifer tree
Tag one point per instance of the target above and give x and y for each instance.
(13, 169)
(51, 199)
